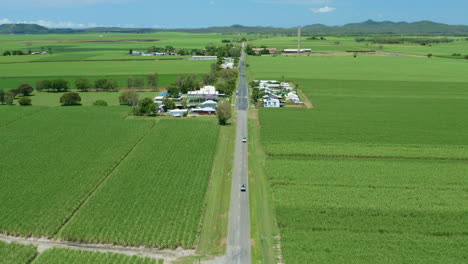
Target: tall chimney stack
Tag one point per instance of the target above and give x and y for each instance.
(298, 40)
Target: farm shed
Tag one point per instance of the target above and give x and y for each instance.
(204, 111)
(204, 58)
(178, 112)
(209, 104)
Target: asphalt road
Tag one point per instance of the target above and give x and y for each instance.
(238, 248)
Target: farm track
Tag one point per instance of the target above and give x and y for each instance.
(362, 157)
(43, 244)
(101, 182)
(23, 117)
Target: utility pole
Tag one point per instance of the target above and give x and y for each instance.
(298, 40)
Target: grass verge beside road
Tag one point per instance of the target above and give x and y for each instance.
(264, 231)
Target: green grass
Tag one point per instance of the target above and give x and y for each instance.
(213, 236)
(360, 68)
(370, 211)
(13, 253)
(101, 68)
(55, 158)
(60, 255)
(13, 82)
(156, 196)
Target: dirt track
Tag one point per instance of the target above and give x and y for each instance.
(43, 244)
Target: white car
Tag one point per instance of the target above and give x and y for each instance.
(244, 140)
(243, 188)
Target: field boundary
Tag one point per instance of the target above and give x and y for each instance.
(214, 224)
(42, 244)
(267, 248)
(307, 102)
(51, 61)
(101, 182)
(362, 157)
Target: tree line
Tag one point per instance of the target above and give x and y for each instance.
(228, 50)
(390, 40)
(103, 84)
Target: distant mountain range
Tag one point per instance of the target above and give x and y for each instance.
(368, 27)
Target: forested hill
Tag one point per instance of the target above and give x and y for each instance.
(364, 28)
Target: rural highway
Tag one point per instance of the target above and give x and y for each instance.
(238, 248)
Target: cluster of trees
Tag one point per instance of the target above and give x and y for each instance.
(57, 85)
(390, 40)
(145, 106)
(14, 52)
(316, 38)
(103, 84)
(224, 80)
(256, 93)
(152, 80)
(7, 97)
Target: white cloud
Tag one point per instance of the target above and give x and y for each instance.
(52, 24)
(295, 2)
(211, 3)
(325, 9)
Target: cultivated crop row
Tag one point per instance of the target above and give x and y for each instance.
(60, 255)
(53, 159)
(156, 196)
(12, 253)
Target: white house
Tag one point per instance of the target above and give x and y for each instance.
(178, 112)
(295, 50)
(271, 102)
(209, 104)
(207, 92)
(293, 98)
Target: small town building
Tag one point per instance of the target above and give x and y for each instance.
(207, 92)
(271, 102)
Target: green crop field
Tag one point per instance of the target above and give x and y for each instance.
(375, 173)
(10, 114)
(60, 255)
(370, 211)
(16, 254)
(156, 196)
(55, 158)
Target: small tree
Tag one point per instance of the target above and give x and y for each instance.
(223, 112)
(128, 98)
(429, 55)
(153, 80)
(466, 57)
(24, 101)
(9, 97)
(70, 99)
(100, 103)
(2, 96)
(147, 106)
(82, 84)
(173, 90)
(168, 104)
(184, 103)
(24, 89)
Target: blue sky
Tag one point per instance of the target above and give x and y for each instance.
(204, 13)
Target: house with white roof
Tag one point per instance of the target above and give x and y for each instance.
(271, 102)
